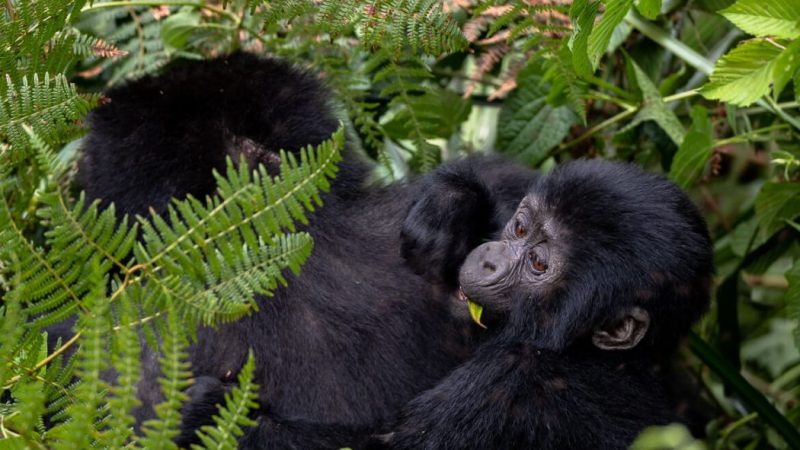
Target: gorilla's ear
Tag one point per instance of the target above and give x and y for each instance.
(625, 333)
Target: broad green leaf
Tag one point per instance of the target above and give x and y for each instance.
(649, 8)
(694, 151)
(744, 74)
(654, 108)
(779, 18)
(582, 14)
(601, 34)
(177, 28)
(786, 66)
(528, 126)
(777, 203)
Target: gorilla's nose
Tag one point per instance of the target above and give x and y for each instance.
(486, 265)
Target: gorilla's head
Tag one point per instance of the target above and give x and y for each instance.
(597, 252)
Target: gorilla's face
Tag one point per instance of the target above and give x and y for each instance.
(528, 260)
(531, 264)
(598, 251)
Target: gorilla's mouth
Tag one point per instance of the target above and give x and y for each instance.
(475, 309)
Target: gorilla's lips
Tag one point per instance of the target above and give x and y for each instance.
(475, 310)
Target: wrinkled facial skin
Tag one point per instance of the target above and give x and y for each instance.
(529, 258)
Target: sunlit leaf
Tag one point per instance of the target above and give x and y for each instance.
(744, 75)
(582, 13)
(779, 18)
(787, 66)
(601, 34)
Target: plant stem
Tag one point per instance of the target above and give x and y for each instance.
(760, 109)
(597, 95)
(680, 96)
(629, 111)
(600, 126)
(786, 378)
(606, 85)
(662, 38)
(746, 136)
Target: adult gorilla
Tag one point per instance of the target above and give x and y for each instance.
(359, 333)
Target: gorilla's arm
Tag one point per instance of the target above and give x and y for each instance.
(513, 395)
(459, 205)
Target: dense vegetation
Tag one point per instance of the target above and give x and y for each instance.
(706, 91)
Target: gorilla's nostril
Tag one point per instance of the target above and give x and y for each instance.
(489, 266)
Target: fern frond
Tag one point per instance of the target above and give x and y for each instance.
(159, 433)
(11, 329)
(125, 354)
(85, 46)
(225, 292)
(420, 111)
(81, 431)
(270, 13)
(60, 385)
(30, 407)
(53, 281)
(135, 36)
(27, 44)
(234, 415)
(51, 107)
(82, 231)
(237, 234)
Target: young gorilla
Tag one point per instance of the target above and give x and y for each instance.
(597, 276)
(358, 334)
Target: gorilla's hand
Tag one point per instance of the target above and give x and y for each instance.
(205, 396)
(452, 215)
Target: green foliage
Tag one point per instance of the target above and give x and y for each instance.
(600, 36)
(418, 82)
(654, 108)
(49, 105)
(694, 151)
(745, 74)
(674, 437)
(779, 18)
(530, 127)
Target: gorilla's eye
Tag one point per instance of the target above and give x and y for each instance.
(538, 261)
(519, 229)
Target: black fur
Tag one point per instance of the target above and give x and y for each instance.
(634, 240)
(359, 333)
(370, 323)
